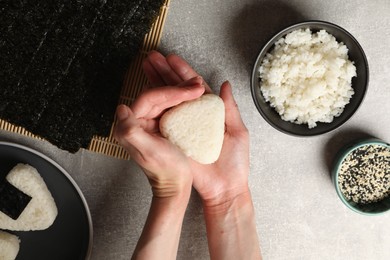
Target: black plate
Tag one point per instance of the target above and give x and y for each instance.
(359, 83)
(70, 236)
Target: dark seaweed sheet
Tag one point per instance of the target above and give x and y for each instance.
(12, 200)
(62, 64)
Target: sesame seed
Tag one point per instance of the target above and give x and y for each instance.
(365, 174)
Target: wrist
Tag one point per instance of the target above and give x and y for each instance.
(227, 202)
(173, 197)
(231, 228)
(171, 188)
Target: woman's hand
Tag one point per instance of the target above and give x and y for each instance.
(166, 167)
(137, 130)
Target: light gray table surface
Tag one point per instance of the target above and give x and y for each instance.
(298, 213)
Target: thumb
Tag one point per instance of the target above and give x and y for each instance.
(233, 119)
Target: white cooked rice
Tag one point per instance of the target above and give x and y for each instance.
(9, 246)
(307, 77)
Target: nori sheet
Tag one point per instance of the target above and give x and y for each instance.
(62, 64)
(12, 200)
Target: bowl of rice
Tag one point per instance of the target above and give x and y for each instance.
(310, 78)
(361, 176)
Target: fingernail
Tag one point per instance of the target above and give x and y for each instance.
(122, 112)
(199, 80)
(194, 79)
(192, 82)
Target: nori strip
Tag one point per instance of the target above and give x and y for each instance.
(12, 200)
(62, 64)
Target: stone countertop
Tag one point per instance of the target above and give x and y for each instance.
(298, 213)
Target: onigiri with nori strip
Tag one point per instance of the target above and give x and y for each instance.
(41, 211)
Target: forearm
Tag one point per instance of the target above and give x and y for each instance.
(161, 234)
(231, 229)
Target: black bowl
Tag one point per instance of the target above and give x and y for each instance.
(359, 83)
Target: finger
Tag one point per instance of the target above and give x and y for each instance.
(132, 136)
(163, 70)
(151, 74)
(183, 69)
(233, 118)
(151, 103)
(149, 125)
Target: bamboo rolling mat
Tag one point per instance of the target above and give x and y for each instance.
(133, 83)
